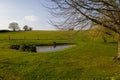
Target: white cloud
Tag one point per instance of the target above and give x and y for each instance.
(31, 18)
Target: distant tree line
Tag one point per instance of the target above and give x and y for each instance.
(15, 27)
(27, 28)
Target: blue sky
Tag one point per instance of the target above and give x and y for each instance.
(24, 12)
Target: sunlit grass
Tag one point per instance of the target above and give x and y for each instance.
(88, 60)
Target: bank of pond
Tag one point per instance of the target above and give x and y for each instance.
(42, 47)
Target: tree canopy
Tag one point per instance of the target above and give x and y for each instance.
(26, 28)
(14, 26)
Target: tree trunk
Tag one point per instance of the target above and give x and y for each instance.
(13, 29)
(118, 56)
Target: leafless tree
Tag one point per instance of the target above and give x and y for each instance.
(102, 32)
(81, 13)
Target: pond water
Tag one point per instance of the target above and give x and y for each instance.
(52, 48)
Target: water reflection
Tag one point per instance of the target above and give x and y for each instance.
(52, 48)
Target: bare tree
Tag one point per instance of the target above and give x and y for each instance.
(80, 13)
(102, 32)
(14, 26)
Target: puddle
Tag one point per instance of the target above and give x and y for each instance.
(52, 48)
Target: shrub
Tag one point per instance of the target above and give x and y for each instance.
(27, 47)
(15, 47)
(32, 48)
(23, 47)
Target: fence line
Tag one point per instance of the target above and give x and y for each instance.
(31, 39)
(28, 38)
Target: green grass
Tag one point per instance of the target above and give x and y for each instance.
(89, 60)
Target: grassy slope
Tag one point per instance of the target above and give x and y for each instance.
(89, 60)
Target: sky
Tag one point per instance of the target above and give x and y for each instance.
(25, 12)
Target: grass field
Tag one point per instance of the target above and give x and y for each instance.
(91, 59)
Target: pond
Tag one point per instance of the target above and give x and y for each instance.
(53, 48)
